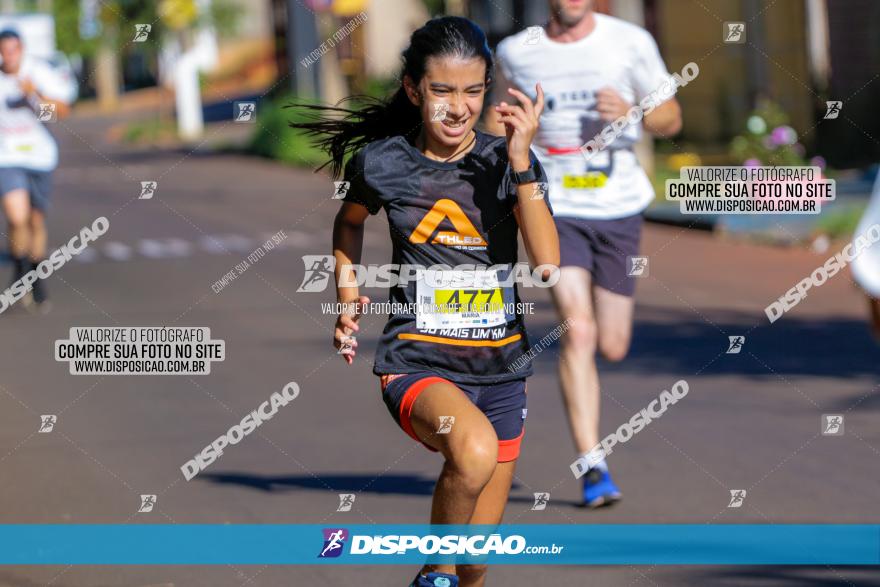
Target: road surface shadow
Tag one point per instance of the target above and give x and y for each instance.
(866, 399)
(681, 343)
(555, 502)
(397, 484)
(380, 483)
(393, 483)
(785, 576)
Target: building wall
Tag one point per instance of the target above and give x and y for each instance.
(255, 20)
(386, 33)
(772, 62)
(854, 29)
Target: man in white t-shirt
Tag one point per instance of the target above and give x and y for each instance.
(593, 69)
(31, 91)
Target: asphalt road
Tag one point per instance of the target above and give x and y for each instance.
(751, 420)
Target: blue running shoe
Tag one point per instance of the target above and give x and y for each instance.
(599, 489)
(435, 580)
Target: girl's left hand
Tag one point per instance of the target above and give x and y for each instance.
(521, 123)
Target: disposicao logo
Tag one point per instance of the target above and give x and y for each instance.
(334, 542)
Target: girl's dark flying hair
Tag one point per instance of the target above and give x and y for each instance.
(339, 131)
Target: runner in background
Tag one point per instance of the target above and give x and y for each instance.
(593, 68)
(30, 91)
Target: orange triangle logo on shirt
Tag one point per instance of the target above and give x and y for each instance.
(464, 234)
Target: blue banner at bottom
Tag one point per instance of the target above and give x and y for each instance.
(522, 544)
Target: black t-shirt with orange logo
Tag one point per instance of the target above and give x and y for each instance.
(448, 214)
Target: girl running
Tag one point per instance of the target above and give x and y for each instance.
(451, 371)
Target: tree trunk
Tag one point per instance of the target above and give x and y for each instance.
(107, 69)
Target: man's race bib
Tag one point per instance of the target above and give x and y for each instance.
(24, 142)
(589, 180)
(577, 176)
(19, 144)
(460, 299)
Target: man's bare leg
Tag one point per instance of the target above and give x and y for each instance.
(17, 209)
(37, 222)
(577, 360)
(614, 318)
(598, 319)
(39, 237)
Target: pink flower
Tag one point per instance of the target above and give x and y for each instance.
(783, 135)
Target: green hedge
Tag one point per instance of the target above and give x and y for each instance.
(274, 138)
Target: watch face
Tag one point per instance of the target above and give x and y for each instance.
(526, 176)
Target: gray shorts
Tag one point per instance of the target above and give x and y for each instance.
(601, 247)
(37, 183)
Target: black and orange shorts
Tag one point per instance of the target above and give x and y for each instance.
(504, 404)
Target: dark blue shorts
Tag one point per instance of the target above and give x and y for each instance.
(601, 247)
(38, 185)
(504, 404)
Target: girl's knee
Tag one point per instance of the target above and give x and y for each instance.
(474, 457)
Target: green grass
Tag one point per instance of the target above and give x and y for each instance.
(149, 131)
(840, 222)
(658, 180)
(273, 137)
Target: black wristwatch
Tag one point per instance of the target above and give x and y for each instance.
(528, 176)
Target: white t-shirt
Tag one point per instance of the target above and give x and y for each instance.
(24, 141)
(616, 54)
